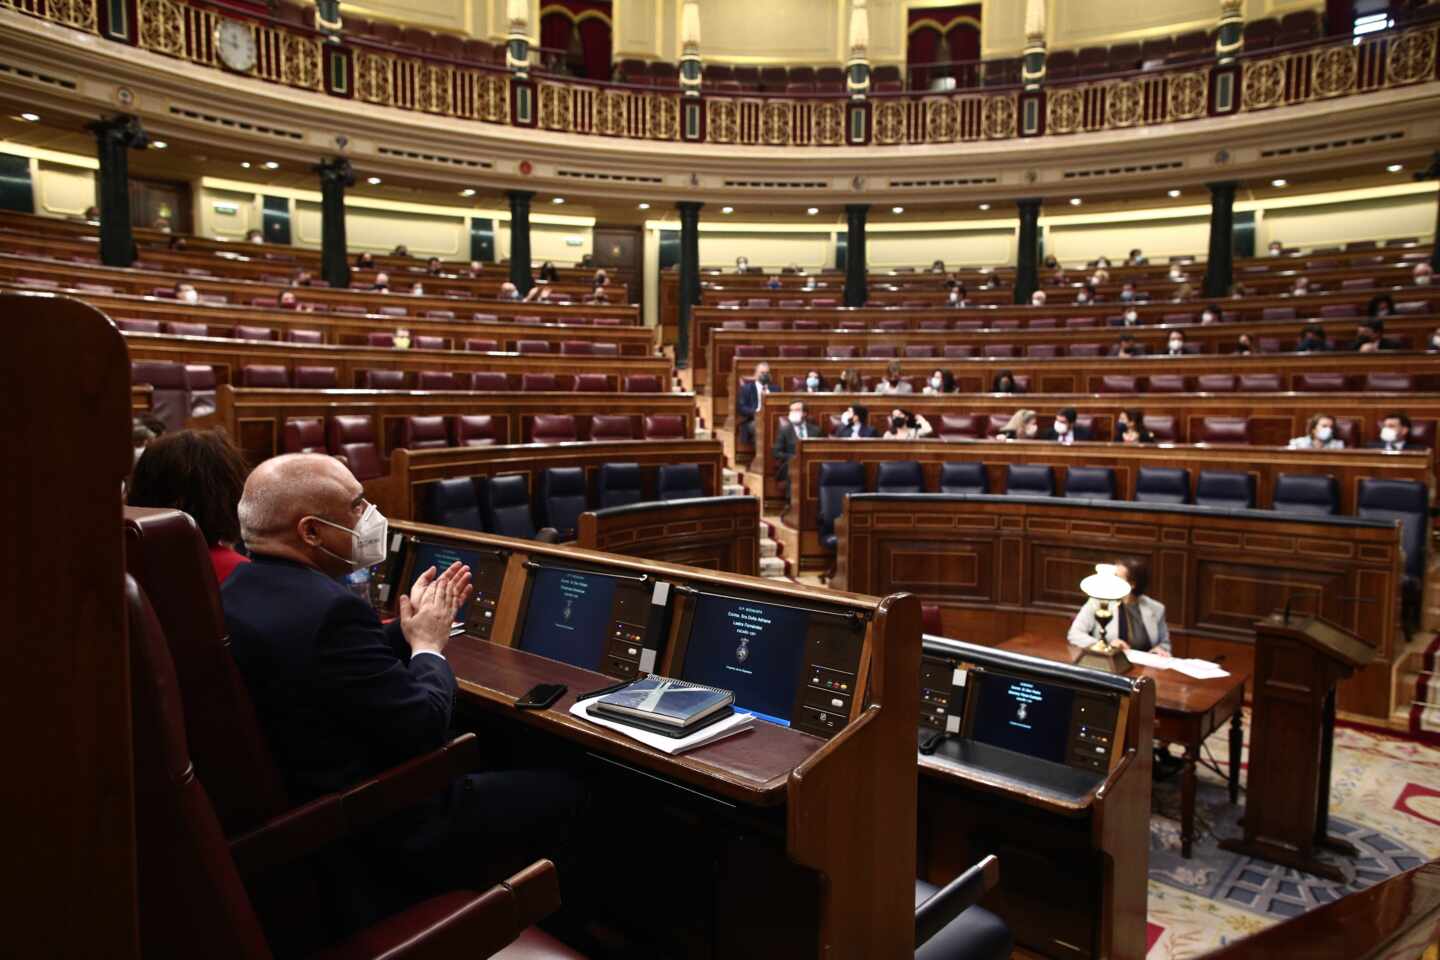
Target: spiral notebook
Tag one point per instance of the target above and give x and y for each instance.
(673, 707)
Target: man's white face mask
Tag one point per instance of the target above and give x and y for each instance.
(370, 535)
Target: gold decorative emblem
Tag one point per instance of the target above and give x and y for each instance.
(1333, 71)
(889, 121)
(1063, 110)
(1187, 95)
(941, 125)
(1122, 103)
(1411, 57)
(1263, 84)
(664, 113)
(775, 122)
(998, 120)
(721, 121)
(827, 123)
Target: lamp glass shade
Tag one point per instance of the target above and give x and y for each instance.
(1105, 584)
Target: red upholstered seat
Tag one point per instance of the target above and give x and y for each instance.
(180, 328)
(170, 396)
(1340, 310)
(641, 383)
(482, 346)
(1167, 383)
(553, 428)
(352, 437)
(941, 324)
(1358, 283)
(532, 346)
(484, 317)
(967, 324)
(436, 380)
(592, 383)
(796, 350)
(919, 351)
(751, 350)
(1042, 323)
(576, 347)
(664, 426)
(423, 342)
(605, 349)
(1042, 350)
(1004, 323)
(393, 312)
(304, 435)
(995, 422)
(770, 325)
(611, 426)
(244, 332)
(1277, 313)
(1117, 383)
(1320, 382)
(304, 336)
(969, 426)
(382, 379)
(317, 378)
(1085, 349)
(264, 375)
(474, 430)
(1224, 430)
(531, 382)
(1215, 383)
(959, 351)
(735, 324)
(1259, 382)
(1077, 322)
(138, 326)
(1389, 382)
(841, 351)
(380, 339)
(489, 380)
(999, 350)
(424, 433)
(440, 314)
(1161, 426)
(896, 324)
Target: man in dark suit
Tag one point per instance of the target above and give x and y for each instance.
(749, 402)
(855, 422)
(342, 698)
(1395, 434)
(1066, 429)
(797, 426)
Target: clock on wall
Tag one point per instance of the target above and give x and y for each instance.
(235, 45)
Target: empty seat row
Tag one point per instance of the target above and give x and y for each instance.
(502, 504)
(425, 432)
(242, 331)
(577, 348)
(321, 378)
(348, 437)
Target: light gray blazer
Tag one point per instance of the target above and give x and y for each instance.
(1152, 614)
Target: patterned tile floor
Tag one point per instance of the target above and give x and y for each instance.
(1385, 798)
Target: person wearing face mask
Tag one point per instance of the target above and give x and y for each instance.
(855, 423)
(1005, 383)
(1242, 344)
(1022, 425)
(1369, 336)
(1301, 287)
(1137, 259)
(1319, 435)
(941, 381)
(1130, 318)
(1130, 427)
(905, 425)
(1129, 346)
(1067, 428)
(1276, 248)
(1422, 274)
(1211, 314)
(742, 264)
(893, 382)
(1394, 434)
(1434, 341)
(814, 383)
(1085, 296)
(186, 293)
(750, 401)
(1175, 345)
(1127, 292)
(342, 697)
(1312, 339)
(1038, 298)
(796, 426)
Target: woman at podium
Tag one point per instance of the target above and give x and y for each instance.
(1139, 623)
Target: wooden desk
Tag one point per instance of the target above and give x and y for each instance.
(1186, 712)
(713, 533)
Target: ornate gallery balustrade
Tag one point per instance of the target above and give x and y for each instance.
(363, 70)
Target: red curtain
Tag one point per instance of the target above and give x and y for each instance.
(939, 34)
(576, 37)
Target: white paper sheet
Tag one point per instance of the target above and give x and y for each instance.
(1195, 669)
(719, 730)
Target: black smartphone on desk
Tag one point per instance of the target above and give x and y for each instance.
(542, 696)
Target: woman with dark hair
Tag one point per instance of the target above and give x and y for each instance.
(1005, 383)
(1138, 624)
(1130, 427)
(941, 381)
(548, 273)
(365, 261)
(202, 473)
(849, 382)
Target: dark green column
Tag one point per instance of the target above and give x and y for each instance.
(856, 290)
(520, 239)
(1027, 258)
(114, 138)
(1220, 265)
(689, 275)
(335, 175)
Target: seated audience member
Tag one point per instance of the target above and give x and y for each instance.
(850, 382)
(162, 224)
(1138, 259)
(941, 381)
(1066, 429)
(1370, 335)
(905, 425)
(799, 271)
(1183, 294)
(1422, 274)
(433, 267)
(797, 426)
(302, 278)
(508, 291)
(365, 261)
(1212, 314)
(1102, 262)
(382, 282)
(1312, 339)
(417, 289)
(540, 293)
(400, 251)
(586, 261)
(893, 382)
(742, 264)
(1130, 427)
(1434, 342)
(1177, 273)
(1127, 292)
(1051, 263)
(1022, 425)
(288, 301)
(773, 283)
(1139, 621)
(254, 235)
(1175, 345)
(814, 383)
(177, 242)
(1085, 296)
(1242, 344)
(92, 214)
(1394, 434)
(938, 266)
(341, 697)
(750, 401)
(548, 273)
(186, 293)
(601, 279)
(1005, 383)
(477, 269)
(1058, 277)
(1129, 346)
(599, 296)
(958, 295)
(202, 473)
(1131, 316)
(1037, 299)
(1276, 248)
(1319, 435)
(1301, 287)
(855, 422)
(1380, 305)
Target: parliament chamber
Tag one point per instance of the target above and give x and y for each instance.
(635, 479)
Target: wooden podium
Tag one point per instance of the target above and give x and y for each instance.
(1297, 665)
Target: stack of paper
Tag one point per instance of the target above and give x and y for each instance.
(719, 730)
(1195, 669)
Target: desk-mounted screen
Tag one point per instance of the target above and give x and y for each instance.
(598, 621)
(487, 574)
(787, 664)
(1042, 719)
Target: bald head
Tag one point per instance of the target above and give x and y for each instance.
(284, 489)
